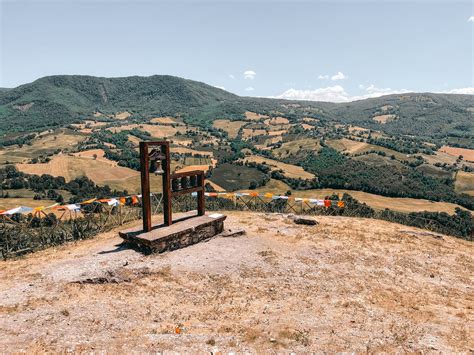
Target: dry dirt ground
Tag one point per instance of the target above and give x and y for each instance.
(343, 285)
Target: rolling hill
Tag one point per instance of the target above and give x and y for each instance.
(55, 101)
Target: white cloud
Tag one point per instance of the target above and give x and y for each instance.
(249, 74)
(323, 77)
(336, 93)
(465, 91)
(249, 88)
(219, 87)
(231, 76)
(470, 19)
(332, 93)
(338, 76)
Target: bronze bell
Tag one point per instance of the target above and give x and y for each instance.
(155, 162)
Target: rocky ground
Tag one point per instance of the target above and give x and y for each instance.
(345, 284)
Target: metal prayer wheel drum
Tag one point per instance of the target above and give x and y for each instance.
(175, 184)
(185, 182)
(193, 181)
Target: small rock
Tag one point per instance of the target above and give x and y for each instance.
(305, 220)
(233, 233)
(273, 340)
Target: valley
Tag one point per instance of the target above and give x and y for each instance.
(308, 149)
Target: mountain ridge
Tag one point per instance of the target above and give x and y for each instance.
(59, 100)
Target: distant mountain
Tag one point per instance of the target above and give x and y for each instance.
(56, 101)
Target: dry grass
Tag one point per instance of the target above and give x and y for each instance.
(163, 120)
(464, 183)
(249, 132)
(291, 171)
(293, 147)
(277, 121)
(8, 203)
(381, 202)
(346, 284)
(231, 127)
(384, 118)
(468, 154)
(252, 116)
(204, 168)
(215, 186)
(353, 147)
(156, 131)
(122, 115)
(377, 202)
(184, 150)
(70, 167)
(44, 145)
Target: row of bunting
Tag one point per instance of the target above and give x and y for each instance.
(135, 199)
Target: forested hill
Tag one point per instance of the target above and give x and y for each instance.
(56, 101)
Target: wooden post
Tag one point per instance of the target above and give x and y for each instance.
(201, 201)
(167, 210)
(145, 182)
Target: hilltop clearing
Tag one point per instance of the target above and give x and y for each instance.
(346, 284)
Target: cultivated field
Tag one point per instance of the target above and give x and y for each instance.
(156, 131)
(384, 118)
(163, 120)
(468, 154)
(43, 145)
(289, 170)
(252, 116)
(465, 182)
(294, 147)
(231, 127)
(7, 203)
(377, 202)
(354, 148)
(70, 167)
(345, 285)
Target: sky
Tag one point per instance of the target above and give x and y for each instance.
(317, 50)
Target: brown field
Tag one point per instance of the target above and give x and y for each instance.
(306, 126)
(99, 153)
(249, 132)
(309, 119)
(277, 121)
(353, 147)
(268, 141)
(252, 116)
(187, 168)
(44, 145)
(353, 129)
(184, 150)
(293, 147)
(377, 202)
(464, 183)
(468, 154)
(89, 123)
(439, 157)
(231, 127)
(291, 171)
(215, 186)
(163, 120)
(155, 130)
(277, 133)
(8, 203)
(70, 167)
(122, 115)
(384, 118)
(347, 284)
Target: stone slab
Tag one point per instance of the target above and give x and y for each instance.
(187, 229)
